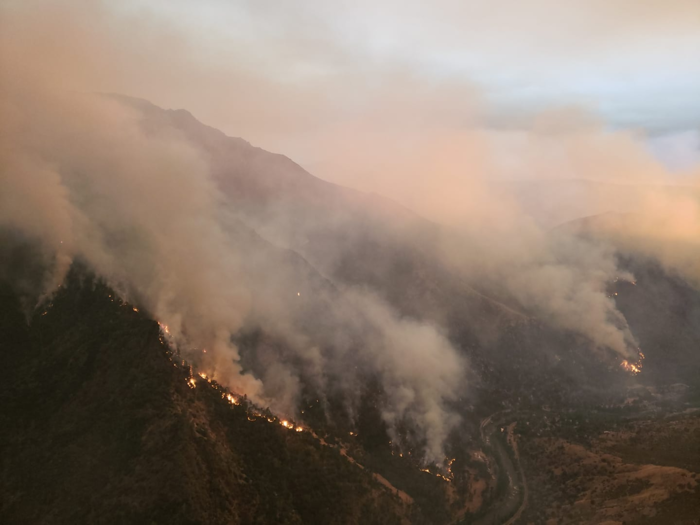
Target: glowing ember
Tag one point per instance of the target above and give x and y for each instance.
(134, 309)
(629, 367)
(449, 467)
(437, 475)
(633, 368)
(251, 414)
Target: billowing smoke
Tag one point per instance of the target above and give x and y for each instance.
(80, 174)
(149, 210)
(512, 199)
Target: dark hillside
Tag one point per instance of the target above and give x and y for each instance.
(99, 425)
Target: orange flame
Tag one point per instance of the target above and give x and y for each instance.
(633, 368)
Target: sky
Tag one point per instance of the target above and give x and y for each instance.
(283, 75)
(634, 61)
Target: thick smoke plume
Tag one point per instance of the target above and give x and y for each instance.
(81, 174)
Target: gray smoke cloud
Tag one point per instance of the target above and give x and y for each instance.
(78, 174)
(508, 194)
(147, 211)
(81, 175)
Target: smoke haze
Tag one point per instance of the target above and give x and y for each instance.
(143, 207)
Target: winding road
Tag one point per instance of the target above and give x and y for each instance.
(511, 503)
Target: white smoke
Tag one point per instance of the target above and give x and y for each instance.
(79, 174)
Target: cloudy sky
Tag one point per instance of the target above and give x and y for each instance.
(281, 74)
(635, 61)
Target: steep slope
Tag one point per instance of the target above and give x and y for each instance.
(351, 237)
(360, 240)
(100, 425)
(662, 308)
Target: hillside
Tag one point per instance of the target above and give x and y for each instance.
(104, 421)
(100, 425)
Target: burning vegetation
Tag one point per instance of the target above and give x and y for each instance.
(635, 367)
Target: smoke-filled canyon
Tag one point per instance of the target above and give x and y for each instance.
(444, 216)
